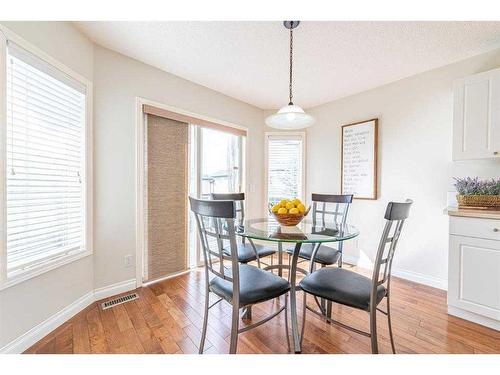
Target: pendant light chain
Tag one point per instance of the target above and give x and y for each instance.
(291, 116)
(291, 66)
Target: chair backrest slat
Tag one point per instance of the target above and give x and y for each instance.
(215, 219)
(395, 215)
(338, 213)
(239, 200)
(239, 204)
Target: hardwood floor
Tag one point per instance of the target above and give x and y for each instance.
(167, 318)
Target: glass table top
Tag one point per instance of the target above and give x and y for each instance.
(269, 229)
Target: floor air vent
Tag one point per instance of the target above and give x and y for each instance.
(118, 301)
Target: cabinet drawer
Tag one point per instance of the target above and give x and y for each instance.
(474, 227)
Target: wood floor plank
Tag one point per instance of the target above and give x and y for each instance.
(168, 317)
(122, 319)
(64, 341)
(146, 336)
(81, 340)
(48, 347)
(114, 337)
(98, 343)
(167, 342)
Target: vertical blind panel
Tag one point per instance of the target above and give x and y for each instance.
(45, 162)
(284, 168)
(167, 178)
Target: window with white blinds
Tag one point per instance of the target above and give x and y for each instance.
(285, 169)
(45, 163)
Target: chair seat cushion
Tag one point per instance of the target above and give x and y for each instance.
(341, 286)
(325, 255)
(256, 285)
(246, 252)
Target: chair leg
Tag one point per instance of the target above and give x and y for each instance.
(247, 313)
(329, 309)
(205, 321)
(234, 329)
(304, 310)
(289, 263)
(326, 305)
(390, 324)
(340, 248)
(373, 329)
(286, 324)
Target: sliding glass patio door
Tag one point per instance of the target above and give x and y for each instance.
(216, 166)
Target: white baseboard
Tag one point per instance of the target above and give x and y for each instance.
(479, 319)
(147, 283)
(38, 332)
(111, 290)
(420, 278)
(403, 274)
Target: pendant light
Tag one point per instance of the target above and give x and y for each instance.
(291, 116)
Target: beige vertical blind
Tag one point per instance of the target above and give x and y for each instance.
(167, 190)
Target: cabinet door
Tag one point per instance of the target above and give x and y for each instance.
(474, 275)
(476, 116)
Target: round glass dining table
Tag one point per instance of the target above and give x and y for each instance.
(306, 232)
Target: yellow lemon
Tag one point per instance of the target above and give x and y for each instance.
(296, 202)
(276, 207)
(294, 211)
(283, 202)
(289, 205)
(301, 208)
(282, 210)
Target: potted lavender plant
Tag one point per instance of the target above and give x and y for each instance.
(476, 193)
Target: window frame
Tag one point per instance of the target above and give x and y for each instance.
(283, 135)
(87, 175)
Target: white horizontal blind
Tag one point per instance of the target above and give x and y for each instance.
(45, 172)
(284, 167)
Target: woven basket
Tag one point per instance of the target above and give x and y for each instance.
(289, 220)
(479, 201)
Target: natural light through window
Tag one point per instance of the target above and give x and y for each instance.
(285, 167)
(45, 170)
(221, 162)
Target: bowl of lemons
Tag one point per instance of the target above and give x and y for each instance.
(289, 212)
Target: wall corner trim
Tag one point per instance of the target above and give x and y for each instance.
(41, 330)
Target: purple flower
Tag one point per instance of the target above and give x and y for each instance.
(475, 186)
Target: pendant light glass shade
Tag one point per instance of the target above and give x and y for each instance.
(290, 117)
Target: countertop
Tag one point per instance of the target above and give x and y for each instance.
(465, 212)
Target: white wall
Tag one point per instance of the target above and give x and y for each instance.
(118, 80)
(415, 135)
(25, 305)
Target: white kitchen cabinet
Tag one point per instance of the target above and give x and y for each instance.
(474, 270)
(476, 116)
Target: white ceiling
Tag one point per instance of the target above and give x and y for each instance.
(249, 60)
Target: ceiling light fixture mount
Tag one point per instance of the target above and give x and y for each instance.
(292, 116)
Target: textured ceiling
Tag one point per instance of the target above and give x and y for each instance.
(249, 60)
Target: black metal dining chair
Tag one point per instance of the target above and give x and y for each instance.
(352, 289)
(247, 251)
(240, 284)
(327, 210)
